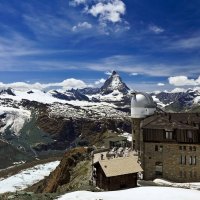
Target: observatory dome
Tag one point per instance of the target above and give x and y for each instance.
(142, 105)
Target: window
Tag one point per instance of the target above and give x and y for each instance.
(182, 160)
(190, 160)
(194, 148)
(184, 148)
(190, 148)
(159, 148)
(194, 160)
(168, 135)
(189, 134)
(180, 147)
(159, 168)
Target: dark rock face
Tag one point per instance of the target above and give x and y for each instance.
(114, 82)
(70, 95)
(59, 128)
(7, 91)
(89, 91)
(70, 131)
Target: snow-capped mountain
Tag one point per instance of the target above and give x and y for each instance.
(69, 95)
(113, 90)
(114, 83)
(180, 101)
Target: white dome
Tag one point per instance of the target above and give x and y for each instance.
(142, 105)
(142, 100)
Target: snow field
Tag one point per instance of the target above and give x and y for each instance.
(141, 193)
(27, 177)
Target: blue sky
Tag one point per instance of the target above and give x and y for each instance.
(154, 45)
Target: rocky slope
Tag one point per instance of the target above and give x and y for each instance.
(63, 174)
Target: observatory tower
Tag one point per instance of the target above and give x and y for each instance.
(142, 106)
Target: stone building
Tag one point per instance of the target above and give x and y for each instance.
(168, 144)
(171, 147)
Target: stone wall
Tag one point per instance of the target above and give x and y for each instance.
(170, 157)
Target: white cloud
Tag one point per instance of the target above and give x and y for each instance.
(134, 74)
(156, 29)
(70, 83)
(100, 81)
(82, 26)
(109, 14)
(108, 73)
(76, 2)
(183, 80)
(108, 11)
(160, 84)
(177, 90)
(186, 43)
(66, 84)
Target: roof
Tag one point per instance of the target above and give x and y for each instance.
(170, 121)
(120, 166)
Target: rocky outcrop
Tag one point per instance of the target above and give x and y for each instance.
(61, 175)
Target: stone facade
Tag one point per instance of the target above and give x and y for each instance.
(171, 161)
(136, 135)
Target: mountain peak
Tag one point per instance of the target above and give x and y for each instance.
(114, 73)
(114, 82)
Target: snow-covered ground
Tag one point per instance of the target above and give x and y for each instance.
(116, 95)
(35, 95)
(159, 103)
(15, 118)
(141, 193)
(27, 177)
(191, 185)
(85, 109)
(127, 135)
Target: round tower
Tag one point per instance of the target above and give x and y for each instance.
(142, 106)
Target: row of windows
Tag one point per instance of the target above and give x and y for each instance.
(191, 174)
(169, 135)
(191, 148)
(192, 160)
(160, 148)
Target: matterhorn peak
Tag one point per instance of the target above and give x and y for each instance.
(114, 82)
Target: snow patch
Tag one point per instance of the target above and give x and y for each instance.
(127, 135)
(27, 177)
(141, 193)
(192, 185)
